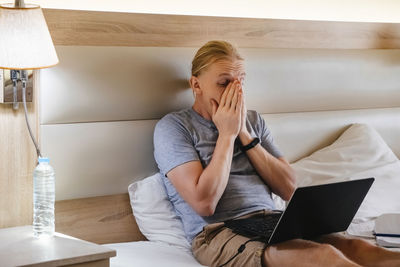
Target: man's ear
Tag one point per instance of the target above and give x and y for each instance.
(195, 85)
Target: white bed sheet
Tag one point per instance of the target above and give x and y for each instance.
(150, 254)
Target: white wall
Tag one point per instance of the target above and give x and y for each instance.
(335, 10)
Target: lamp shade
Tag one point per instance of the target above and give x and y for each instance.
(25, 41)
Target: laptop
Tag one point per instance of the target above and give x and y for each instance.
(311, 211)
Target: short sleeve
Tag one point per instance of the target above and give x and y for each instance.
(173, 145)
(266, 138)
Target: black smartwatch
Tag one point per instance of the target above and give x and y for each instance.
(251, 145)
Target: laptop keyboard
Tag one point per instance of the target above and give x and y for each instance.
(255, 226)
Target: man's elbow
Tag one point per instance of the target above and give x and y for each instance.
(291, 186)
(205, 208)
(288, 192)
(206, 212)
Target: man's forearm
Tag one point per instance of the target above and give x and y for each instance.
(276, 173)
(213, 180)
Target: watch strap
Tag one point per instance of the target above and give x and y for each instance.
(252, 144)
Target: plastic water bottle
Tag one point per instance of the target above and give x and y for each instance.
(43, 199)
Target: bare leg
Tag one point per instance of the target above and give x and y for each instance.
(361, 251)
(304, 253)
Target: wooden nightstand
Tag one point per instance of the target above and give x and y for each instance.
(18, 247)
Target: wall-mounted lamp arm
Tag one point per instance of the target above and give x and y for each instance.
(24, 79)
(14, 79)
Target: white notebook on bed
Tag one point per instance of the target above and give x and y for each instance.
(387, 230)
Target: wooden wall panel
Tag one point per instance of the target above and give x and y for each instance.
(17, 162)
(96, 28)
(105, 219)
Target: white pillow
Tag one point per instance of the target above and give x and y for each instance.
(154, 212)
(358, 153)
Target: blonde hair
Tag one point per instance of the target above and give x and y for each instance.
(211, 52)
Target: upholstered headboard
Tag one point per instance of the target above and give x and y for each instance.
(99, 106)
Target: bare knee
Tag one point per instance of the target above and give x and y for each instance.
(303, 253)
(330, 255)
(348, 246)
(328, 249)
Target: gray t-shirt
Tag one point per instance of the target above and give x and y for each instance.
(184, 136)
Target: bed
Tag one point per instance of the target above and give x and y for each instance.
(327, 90)
(138, 254)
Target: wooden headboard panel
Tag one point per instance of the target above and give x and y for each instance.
(95, 28)
(93, 109)
(105, 219)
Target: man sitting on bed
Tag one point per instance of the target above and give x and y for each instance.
(209, 179)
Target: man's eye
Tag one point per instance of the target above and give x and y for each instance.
(225, 84)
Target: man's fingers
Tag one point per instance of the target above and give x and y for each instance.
(222, 102)
(235, 98)
(214, 107)
(239, 104)
(229, 96)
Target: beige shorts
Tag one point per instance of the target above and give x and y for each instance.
(216, 244)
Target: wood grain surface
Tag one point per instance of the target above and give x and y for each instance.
(97, 28)
(105, 219)
(17, 161)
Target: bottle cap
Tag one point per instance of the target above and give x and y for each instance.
(46, 160)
